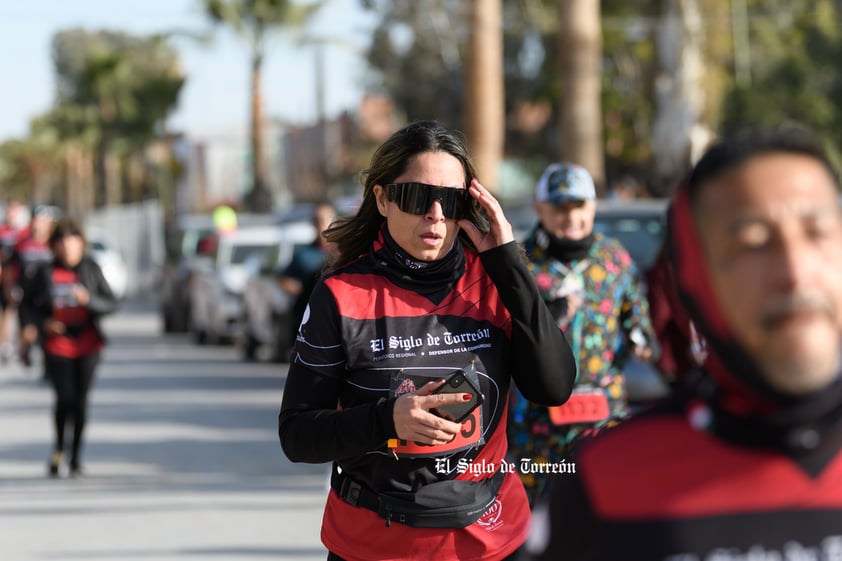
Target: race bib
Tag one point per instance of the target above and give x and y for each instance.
(470, 435)
(582, 407)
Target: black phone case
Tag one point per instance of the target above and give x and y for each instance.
(458, 382)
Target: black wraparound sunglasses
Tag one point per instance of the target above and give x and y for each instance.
(416, 198)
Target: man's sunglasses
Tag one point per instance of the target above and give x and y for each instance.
(417, 198)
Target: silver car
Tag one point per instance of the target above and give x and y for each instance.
(267, 308)
(219, 280)
(106, 254)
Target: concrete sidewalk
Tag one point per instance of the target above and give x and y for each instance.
(181, 460)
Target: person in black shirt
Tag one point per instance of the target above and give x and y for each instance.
(302, 273)
(29, 255)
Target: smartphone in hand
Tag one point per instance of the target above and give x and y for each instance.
(458, 382)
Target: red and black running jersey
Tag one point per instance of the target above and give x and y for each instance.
(375, 339)
(657, 488)
(384, 340)
(80, 337)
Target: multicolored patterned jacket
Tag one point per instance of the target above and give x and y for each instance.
(610, 306)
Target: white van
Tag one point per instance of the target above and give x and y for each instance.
(216, 289)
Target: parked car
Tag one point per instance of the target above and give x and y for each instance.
(639, 224)
(181, 249)
(267, 308)
(218, 281)
(184, 240)
(268, 316)
(106, 254)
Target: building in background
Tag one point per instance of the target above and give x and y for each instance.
(305, 163)
(218, 164)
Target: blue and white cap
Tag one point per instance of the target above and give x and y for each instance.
(563, 182)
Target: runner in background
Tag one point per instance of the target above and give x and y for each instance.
(12, 230)
(29, 254)
(64, 302)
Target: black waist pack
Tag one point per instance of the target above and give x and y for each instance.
(444, 504)
(74, 331)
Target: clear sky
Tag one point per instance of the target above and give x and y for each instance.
(216, 95)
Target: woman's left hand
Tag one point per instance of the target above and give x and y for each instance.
(499, 232)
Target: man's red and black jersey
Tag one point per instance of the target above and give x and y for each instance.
(657, 488)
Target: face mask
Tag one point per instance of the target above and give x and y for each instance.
(416, 198)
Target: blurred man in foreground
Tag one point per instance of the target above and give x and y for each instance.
(749, 465)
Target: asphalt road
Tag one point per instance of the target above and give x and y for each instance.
(181, 459)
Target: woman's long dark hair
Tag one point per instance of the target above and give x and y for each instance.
(65, 227)
(354, 235)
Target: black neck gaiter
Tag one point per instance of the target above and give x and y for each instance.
(397, 264)
(563, 249)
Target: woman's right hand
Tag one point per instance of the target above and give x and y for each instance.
(413, 420)
(500, 230)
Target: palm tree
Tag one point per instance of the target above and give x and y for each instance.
(74, 132)
(115, 90)
(579, 50)
(485, 102)
(253, 21)
(678, 134)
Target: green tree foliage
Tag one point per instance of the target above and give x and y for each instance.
(30, 168)
(131, 81)
(114, 92)
(795, 75)
(16, 173)
(253, 21)
(629, 68)
(418, 55)
(795, 72)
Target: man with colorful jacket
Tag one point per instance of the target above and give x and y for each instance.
(592, 287)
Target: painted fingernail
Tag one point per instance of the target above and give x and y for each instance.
(466, 397)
